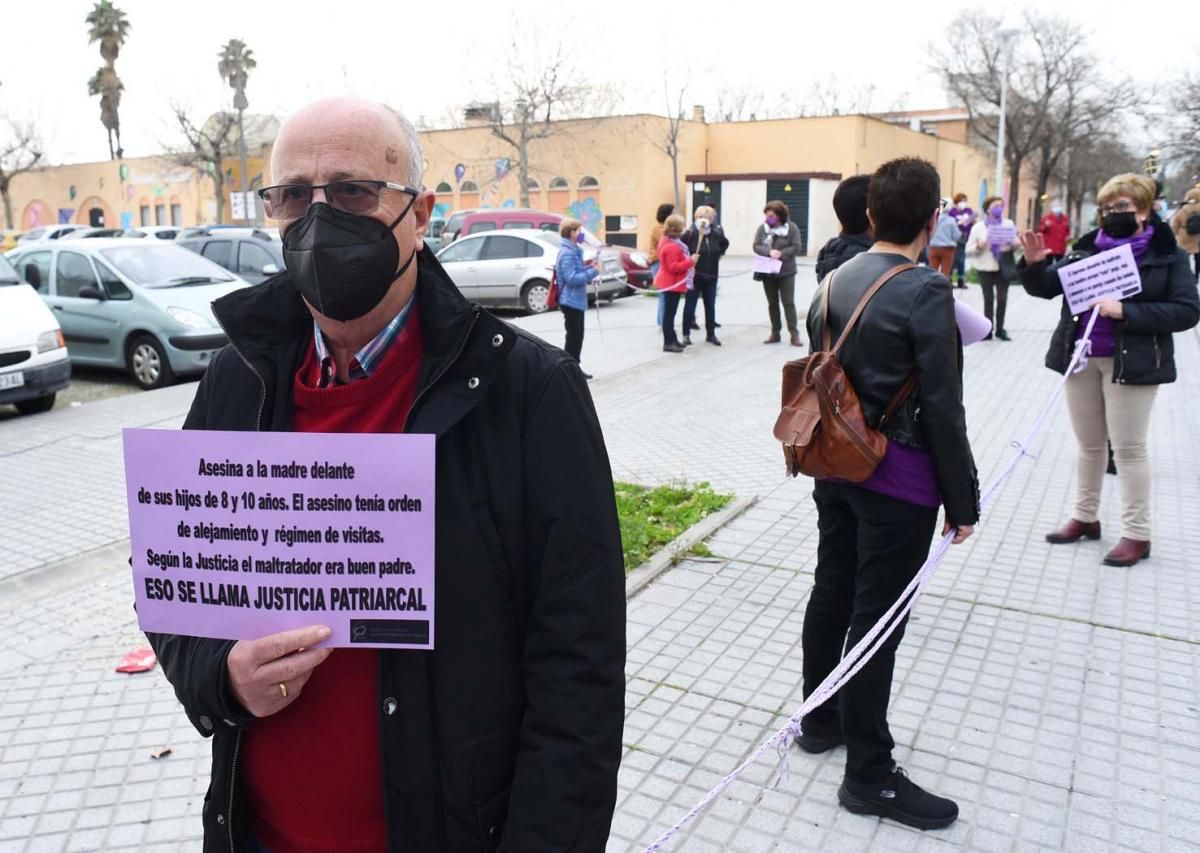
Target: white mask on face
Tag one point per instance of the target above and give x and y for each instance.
(703, 224)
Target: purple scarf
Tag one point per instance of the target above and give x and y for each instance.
(1138, 243)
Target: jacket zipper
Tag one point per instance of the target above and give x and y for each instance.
(1121, 357)
(237, 743)
(1157, 355)
(461, 347)
(237, 747)
(262, 383)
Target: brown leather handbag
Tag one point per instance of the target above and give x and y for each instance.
(821, 425)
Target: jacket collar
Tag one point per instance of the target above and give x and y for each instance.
(267, 316)
(1162, 243)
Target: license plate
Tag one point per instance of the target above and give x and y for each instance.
(11, 380)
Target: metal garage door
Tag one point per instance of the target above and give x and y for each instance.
(794, 194)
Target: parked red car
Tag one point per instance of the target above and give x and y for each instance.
(464, 222)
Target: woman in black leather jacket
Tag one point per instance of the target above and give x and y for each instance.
(1132, 353)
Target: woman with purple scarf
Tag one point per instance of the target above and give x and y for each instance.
(1132, 353)
(990, 247)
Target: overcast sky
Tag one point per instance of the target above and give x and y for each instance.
(429, 58)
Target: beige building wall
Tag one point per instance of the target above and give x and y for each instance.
(610, 167)
(122, 192)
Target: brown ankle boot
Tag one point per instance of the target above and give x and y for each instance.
(774, 339)
(1073, 531)
(796, 342)
(1129, 552)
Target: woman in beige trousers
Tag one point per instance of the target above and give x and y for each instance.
(1132, 353)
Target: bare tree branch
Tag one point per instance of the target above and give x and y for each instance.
(207, 146)
(20, 151)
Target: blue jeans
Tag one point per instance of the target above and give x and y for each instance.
(669, 302)
(654, 271)
(959, 271)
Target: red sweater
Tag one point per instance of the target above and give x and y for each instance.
(313, 772)
(1056, 231)
(673, 265)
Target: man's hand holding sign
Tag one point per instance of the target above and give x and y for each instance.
(268, 674)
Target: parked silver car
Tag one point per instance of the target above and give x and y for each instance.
(140, 305)
(512, 268)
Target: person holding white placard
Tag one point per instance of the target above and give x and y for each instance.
(1132, 353)
(779, 238)
(990, 247)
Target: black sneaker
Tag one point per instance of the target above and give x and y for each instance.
(588, 376)
(1003, 335)
(900, 799)
(816, 744)
(687, 340)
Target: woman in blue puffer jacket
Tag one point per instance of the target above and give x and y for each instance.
(573, 278)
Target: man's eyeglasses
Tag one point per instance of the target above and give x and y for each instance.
(1118, 207)
(291, 201)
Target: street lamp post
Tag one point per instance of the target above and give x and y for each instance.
(1006, 38)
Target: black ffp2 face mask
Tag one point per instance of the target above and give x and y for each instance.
(343, 264)
(1121, 225)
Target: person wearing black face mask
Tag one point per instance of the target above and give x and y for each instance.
(1132, 353)
(365, 332)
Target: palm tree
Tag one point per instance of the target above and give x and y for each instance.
(234, 64)
(108, 25)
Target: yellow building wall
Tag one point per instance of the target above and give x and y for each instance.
(622, 153)
(118, 189)
(634, 176)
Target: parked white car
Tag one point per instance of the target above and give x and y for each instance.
(50, 232)
(33, 356)
(512, 268)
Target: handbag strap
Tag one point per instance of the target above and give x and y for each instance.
(826, 335)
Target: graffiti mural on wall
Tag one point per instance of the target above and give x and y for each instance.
(588, 212)
(65, 214)
(36, 213)
(441, 210)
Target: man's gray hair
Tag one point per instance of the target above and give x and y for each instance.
(412, 141)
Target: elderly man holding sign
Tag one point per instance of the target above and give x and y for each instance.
(503, 732)
(1136, 277)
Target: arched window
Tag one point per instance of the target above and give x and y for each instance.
(587, 182)
(532, 185)
(444, 187)
(559, 184)
(469, 187)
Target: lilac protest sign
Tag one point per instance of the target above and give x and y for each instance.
(763, 264)
(1106, 275)
(236, 535)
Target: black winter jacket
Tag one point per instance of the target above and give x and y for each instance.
(714, 246)
(1168, 303)
(840, 249)
(909, 325)
(508, 735)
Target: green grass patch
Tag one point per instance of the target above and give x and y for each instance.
(653, 517)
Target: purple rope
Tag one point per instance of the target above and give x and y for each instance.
(865, 648)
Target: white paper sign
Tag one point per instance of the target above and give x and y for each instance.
(241, 205)
(770, 266)
(1108, 275)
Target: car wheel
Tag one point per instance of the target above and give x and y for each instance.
(37, 405)
(609, 300)
(535, 296)
(148, 363)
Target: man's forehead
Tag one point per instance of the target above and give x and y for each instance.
(314, 151)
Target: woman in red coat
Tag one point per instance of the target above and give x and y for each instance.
(674, 278)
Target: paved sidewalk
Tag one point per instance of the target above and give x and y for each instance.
(1054, 698)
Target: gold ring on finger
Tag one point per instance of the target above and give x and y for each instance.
(283, 689)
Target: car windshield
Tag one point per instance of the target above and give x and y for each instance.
(164, 266)
(8, 275)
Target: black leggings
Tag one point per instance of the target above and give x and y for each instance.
(995, 290)
(573, 320)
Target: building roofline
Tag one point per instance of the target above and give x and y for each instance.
(764, 176)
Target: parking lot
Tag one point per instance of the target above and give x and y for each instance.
(88, 384)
